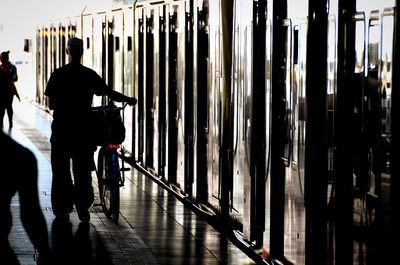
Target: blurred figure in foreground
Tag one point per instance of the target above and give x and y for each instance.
(19, 175)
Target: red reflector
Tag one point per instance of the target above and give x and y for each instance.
(112, 146)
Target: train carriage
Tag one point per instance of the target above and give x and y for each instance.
(273, 119)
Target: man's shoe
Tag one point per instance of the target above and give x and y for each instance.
(84, 216)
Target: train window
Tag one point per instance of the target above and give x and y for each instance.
(331, 67)
(129, 43)
(295, 45)
(27, 45)
(386, 90)
(360, 43)
(116, 43)
(373, 45)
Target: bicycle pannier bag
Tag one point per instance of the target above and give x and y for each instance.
(107, 125)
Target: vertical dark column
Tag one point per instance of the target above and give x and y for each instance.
(63, 47)
(110, 55)
(258, 123)
(202, 103)
(140, 106)
(189, 111)
(103, 49)
(278, 129)
(344, 151)
(395, 150)
(162, 108)
(149, 86)
(172, 100)
(316, 164)
(226, 126)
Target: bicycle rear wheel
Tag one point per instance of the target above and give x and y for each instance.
(109, 183)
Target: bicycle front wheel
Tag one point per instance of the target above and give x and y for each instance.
(110, 195)
(101, 172)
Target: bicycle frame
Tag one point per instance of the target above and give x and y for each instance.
(110, 178)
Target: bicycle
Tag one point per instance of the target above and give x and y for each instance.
(110, 135)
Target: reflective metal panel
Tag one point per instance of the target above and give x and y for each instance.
(242, 98)
(296, 118)
(268, 128)
(155, 104)
(87, 37)
(128, 77)
(140, 79)
(99, 46)
(214, 104)
(180, 91)
(115, 36)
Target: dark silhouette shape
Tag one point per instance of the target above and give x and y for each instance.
(70, 90)
(8, 75)
(79, 248)
(18, 168)
(61, 241)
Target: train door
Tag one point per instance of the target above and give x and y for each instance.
(295, 173)
(299, 102)
(385, 106)
(364, 77)
(372, 96)
(153, 75)
(128, 88)
(294, 121)
(176, 94)
(182, 125)
(243, 106)
(158, 87)
(249, 104)
(87, 37)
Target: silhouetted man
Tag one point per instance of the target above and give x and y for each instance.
(70, 90)
(19, 175)
(8, 75)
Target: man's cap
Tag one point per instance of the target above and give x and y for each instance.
(75, 42)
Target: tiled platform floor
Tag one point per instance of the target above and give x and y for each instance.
(154, 227)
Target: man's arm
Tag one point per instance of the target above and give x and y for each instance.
(119, 97)
(101, 89)
(50, 89)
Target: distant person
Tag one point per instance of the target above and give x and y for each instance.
(70, 90)
(19, 175)
(7, 88)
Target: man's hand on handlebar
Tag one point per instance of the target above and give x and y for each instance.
(132, 101)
